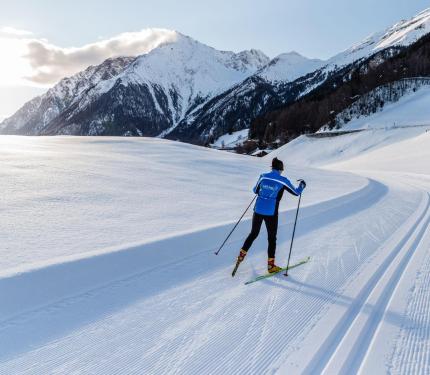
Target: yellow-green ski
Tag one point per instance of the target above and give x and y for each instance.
(266, 276)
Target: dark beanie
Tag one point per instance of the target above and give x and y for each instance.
(277, 164)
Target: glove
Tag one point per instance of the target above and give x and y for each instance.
(302, 184)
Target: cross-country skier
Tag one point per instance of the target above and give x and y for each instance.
(270, 188)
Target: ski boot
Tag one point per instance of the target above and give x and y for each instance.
(272, 267)
(240, 258)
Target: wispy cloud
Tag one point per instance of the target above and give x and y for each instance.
(51, 63)
(11, 31)
(47, 63)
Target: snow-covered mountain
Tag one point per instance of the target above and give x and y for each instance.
(37, 114)
(278, 82)
(288, 67)
(147, 95)
(402, 34)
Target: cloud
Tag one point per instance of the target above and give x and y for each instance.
(11, 31)
(51, 63)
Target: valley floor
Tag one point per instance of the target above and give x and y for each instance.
(170, 306)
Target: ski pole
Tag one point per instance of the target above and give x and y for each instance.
(292, 238)
(247, 208)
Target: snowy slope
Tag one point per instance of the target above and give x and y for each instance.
(311, 151)
(411, 110)
(231, 140)
(401, 34)
(398, 103)
(411, 155)
(117, 192)
(35, 115)
(288, 67)
(379, 320)
(407, 118)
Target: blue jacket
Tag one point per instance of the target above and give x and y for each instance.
(270, 188)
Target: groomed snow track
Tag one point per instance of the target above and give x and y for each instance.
(344, 350)
(158, 310)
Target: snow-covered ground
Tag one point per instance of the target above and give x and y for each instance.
(288, 67)
(231, 140)
(379, 321)
(405, 119)
(411, 110)
(313, 151)
(403, 33)
(108, 266)
(65, 198)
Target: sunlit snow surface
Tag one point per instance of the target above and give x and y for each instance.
(405, 119)
(403, 33)
(65, 196)
(232, 140)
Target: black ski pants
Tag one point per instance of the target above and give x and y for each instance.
(272, 228)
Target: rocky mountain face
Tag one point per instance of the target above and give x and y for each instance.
(39, 112)
(281, 81)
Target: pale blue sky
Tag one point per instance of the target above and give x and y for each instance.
(315, 28)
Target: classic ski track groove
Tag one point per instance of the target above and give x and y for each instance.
(411, 341)
(321, 360)
(367, 336)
